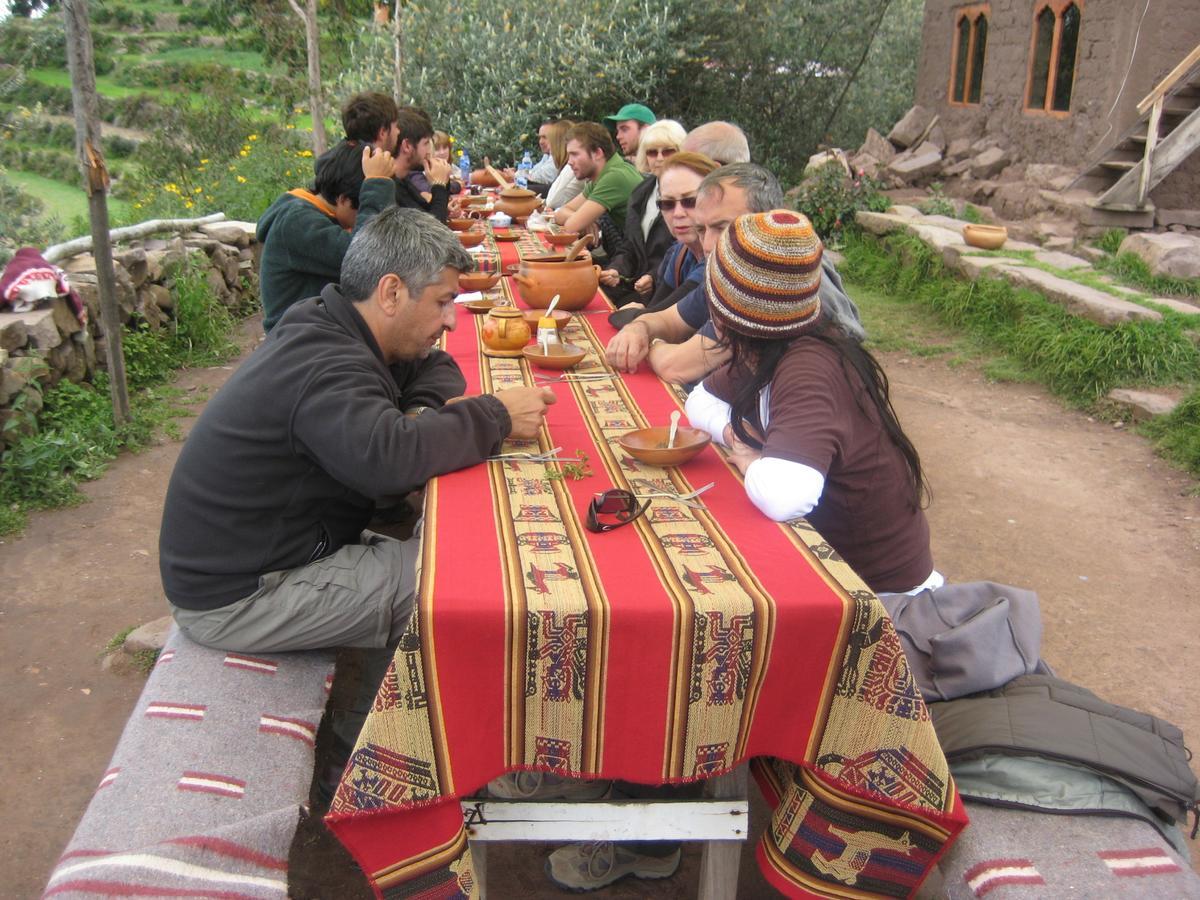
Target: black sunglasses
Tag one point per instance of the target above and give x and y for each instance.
(668, 205)
(612, 509)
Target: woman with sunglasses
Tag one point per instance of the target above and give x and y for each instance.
(805, 410)
(628, 275)
(678, 184)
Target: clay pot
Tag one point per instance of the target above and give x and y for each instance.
(484, 178)
(477, 281)
(470, 238)
(575, 282)
(985, 237)
(505, 332)
(518, 202)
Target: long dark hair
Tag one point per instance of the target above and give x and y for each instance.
(753, 364)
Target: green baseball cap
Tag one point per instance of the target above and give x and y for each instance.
(634, 111)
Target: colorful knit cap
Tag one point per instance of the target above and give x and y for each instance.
(762, 280)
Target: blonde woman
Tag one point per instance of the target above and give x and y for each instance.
(629, 276)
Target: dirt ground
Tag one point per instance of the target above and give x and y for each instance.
(1025, 493)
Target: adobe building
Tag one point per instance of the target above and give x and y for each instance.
(1060, 82)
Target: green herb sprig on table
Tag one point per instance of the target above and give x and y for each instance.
(576, 471)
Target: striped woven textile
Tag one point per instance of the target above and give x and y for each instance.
(668, 650)
(202, 796)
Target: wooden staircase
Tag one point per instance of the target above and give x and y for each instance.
(1166, 133)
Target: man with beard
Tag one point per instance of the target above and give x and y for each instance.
(414, 151)
(611, 179)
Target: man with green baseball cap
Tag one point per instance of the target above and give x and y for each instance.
(631, 119)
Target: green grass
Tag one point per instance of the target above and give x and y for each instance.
(1023, 336)
(62, 200)
(104, 83)
(234, 59)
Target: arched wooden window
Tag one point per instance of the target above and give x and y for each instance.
(1052, 55)
(970, 47)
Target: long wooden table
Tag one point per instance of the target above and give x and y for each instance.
(669, 650)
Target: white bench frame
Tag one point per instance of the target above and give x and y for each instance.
(722, 823)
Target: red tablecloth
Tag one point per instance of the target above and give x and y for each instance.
(665, 651)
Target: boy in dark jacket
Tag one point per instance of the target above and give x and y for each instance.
(305, 233)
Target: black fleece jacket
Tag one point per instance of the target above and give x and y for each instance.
(289, 459)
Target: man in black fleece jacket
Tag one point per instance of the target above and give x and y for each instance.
(344, 407)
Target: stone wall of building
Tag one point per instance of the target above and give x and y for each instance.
(42, 347)
(1125, 48)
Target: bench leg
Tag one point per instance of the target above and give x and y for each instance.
(721, 859)
(479, 866)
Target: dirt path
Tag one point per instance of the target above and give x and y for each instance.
(1024, 493)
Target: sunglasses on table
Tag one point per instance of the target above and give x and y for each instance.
(669, 205)
(612, 509)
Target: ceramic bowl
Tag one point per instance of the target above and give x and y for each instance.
(505, 234)
(470, 238)
(479, 307)
(650, 445)
(534, 316)
(562, 238)
(562, 356)
(985, 237)
(484, 178)
(477, 281)
(521, 220)
(462, 224)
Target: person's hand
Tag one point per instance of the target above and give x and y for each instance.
(527, 408)
(376, 162)
(610, 277)
(644, 285)
(438, 171)
(627, 350)
(741, 454)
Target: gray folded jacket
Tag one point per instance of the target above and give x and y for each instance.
(964, 638)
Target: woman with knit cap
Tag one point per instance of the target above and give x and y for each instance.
(805, 411)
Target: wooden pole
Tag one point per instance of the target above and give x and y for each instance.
(398, 56)
(308, 15)
(95, 178)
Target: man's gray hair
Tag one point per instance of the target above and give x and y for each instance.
(720, 141)
(408, 243)
(763, 192)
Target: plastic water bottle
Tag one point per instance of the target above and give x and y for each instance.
(464, 169)
(523, 171)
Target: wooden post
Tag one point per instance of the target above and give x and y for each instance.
(308, 15)
(95, 177)
(1148, 151)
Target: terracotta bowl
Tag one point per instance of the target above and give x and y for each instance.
(470, 238)
(562, 238)
(985, 237)
(477, 281)
(505, 234)
(562, 356)
(533, 316)
(521, 220)
(473, 201)
(462, 224)
(650, 445)
(479, 307)
(484, 178)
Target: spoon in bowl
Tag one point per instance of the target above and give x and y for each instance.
(674, 430)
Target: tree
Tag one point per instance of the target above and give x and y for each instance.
(308, 15)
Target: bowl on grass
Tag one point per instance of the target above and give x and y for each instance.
(985, 237)
(649, 445)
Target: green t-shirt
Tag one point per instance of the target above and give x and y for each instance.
(612, 187)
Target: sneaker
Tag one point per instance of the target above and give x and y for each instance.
(590, 866)
(546, 786)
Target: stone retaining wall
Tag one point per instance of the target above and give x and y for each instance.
(39, 348)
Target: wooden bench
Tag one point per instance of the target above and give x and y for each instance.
(722, 821)
(203, 792)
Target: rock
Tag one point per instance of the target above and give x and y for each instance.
(1177, 229)
(134, 262)
(13, 334)
(936, 137)
(988, 162)
(1179, 306)
(239, 234)
(819, 160)
(89, 293)
(982, 144)
(225, 260)
(150, 298)
(88, 347)
(911, 128)
(958, 149)
(1060, 260)
(201, 242)
(154, 264)
(878, 146)
(43, 333)
(1017, 200)
(1081, 300)
(11, 382)
(1142, 405)
(908, 212)
(1174, 255)
(65, 362)
(64, 316)
(216, 283)
(958, 168)
(1049, 176)
(151, 636)
(861, 163)
(1168, 217)
(85, 263)
(1058, 244)
(913, 168)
